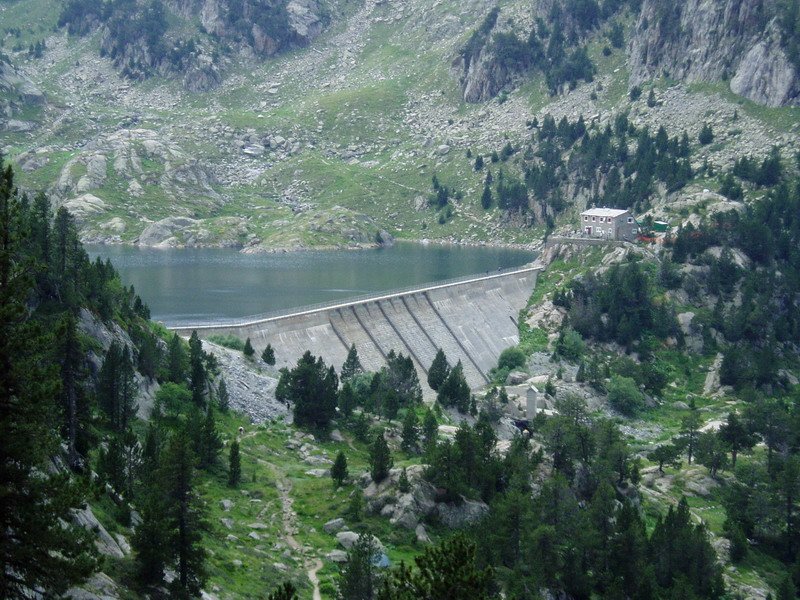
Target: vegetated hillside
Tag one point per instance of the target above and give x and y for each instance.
(326, 144)
(667, 467)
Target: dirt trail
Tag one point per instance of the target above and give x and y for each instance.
(289, 520)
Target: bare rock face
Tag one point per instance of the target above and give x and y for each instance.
(709, 40)
(483, 77)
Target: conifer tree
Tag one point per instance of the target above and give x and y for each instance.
(339, 472)
(690, 427)
(73, 399)
(183, 516)
(176, 360)
(39, 547)
(438, 371)
(234, 465)
(352, 364)
(210, 443)
(430, 428)
(347, 399)
(284, 592)
(248, 351)
(268, 355)
(359, 577)
(478, 162)
(448, 570)
(736, 436)
(455, 390)
(197, 371)
(486, 197)
(380, 458)
(223, 399)
(410, 432)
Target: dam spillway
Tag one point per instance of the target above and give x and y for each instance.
(472, 319)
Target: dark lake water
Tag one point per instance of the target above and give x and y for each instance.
(190, 286)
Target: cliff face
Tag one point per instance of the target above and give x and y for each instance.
(709, 40)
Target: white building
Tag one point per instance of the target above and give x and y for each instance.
(609, 224)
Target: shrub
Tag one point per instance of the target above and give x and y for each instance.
(511, 358)
(624, 396)
(228, 341)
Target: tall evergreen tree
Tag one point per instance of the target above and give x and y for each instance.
(268, 355)
(176, 360)
(39, 548)
(183, 516)
(248, 351)
(312, 388)
(223, 398)
(690, 429)
(359, 577)
(449, 570)
(410, 432)
(234, 465)
(73, 398)
(210, 443)
(197, 371)
(438, 371)
(352, 364)
(736, 437)
(455, 390)
(380, 458)
(339, 472)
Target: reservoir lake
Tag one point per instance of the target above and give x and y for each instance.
(199, 285)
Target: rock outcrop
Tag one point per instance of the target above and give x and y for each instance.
(709, 40)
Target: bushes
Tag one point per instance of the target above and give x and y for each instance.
(511, 358)
(228, 341)
(624, 396)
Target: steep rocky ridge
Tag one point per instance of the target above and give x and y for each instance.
(705, 40)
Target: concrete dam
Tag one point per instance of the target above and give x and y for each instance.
(472, 319)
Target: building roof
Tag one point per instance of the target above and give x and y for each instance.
(604, 212)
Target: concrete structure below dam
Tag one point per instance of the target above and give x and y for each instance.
(472, 319)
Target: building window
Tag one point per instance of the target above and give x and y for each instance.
(630, 219)
(585, 218)
(594, 219)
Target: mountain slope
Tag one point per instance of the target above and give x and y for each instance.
(323, 145)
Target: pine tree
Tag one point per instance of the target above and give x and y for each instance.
(352, 364)
(183, 516)
(176, 360)
(361, 427)
(380, 458)
(197, 371)
(268, 355)
(690, 426)
(209, 443)
(478, 162)
(347, 399)
(234, 465)
(359, 577)
(448, 570)
(403, 485)
(284, 592)
(410, 432)
(223, 399)
(248, 351)
(455, 390)
(430, 428)
(39, 547)
(438, 371)
(736, 437)
(706, 135)
(339, 472)
(72, 394)
(486, 197)
(312, 388)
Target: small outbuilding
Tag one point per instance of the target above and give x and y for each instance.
(609, 224)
